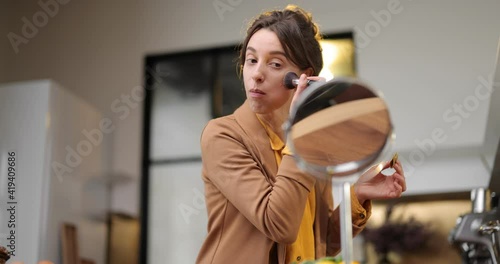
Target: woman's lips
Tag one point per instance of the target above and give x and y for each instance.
(256, 93)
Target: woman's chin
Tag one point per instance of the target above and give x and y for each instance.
(258, 108)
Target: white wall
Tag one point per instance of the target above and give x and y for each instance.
(429, 57)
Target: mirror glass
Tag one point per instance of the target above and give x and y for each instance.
(339, 128)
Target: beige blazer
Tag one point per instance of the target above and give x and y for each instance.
(255, 208)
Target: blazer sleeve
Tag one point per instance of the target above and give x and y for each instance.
(276, 209)
(359, 214)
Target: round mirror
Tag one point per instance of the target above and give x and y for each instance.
(339, 128)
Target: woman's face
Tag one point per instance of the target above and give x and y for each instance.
(263, 71)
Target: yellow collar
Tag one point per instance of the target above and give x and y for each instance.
(276, 142)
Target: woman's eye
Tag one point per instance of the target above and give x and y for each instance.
(275, 64)
(251, 60)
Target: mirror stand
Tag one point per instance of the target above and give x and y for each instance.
(345, 222)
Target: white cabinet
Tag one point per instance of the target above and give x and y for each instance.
(56, 140)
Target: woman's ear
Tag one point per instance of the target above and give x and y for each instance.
(309, 71)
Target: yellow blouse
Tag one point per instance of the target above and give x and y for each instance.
(303, 248)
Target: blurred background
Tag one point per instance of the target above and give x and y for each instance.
(103, 103)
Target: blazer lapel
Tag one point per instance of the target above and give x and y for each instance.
(261, 146)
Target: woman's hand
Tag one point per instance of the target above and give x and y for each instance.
(375, 185)
(303, 85)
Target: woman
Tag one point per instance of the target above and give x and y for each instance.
(261, 207)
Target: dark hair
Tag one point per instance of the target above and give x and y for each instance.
(297, 33)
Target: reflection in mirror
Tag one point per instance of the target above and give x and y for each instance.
(339, 128)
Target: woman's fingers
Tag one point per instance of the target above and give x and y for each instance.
(301, 86)
(302, 83)
(399, 189)
(399, 169)
(316, 78)
(400, 180)
(398, 162)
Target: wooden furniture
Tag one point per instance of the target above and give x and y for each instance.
(69, 244)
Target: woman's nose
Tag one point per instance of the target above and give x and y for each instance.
(258, 75)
